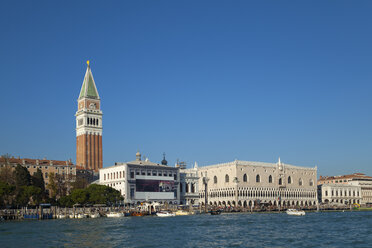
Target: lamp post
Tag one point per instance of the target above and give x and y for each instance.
(205, 181)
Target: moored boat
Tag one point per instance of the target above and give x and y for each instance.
(115, 215)
(215, 212)
(94, 215)
(295, 212)
(182, 212)
(82, 216)
(165, 214)
(61, 216)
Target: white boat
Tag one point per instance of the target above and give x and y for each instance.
(94, 215)
(71, 216)
(165, 214)
(295, 212)
(61, 216)
(82, 216)
(182, 212)
(115, 215)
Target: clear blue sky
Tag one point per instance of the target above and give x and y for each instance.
(205, 81)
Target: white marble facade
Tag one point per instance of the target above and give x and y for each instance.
(245, 183)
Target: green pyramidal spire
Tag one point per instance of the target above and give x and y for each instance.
(89, 88)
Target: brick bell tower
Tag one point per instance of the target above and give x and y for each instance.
(89, 125)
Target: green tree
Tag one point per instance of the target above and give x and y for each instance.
(52, 186)
(6, 194)
(79, 196)
(38, 181)
(28, 195)
(22, 177)
(102, 194)
(66, 201)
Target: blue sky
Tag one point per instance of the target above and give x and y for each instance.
(205, 81)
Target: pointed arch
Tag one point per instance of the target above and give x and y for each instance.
(270, 179)
(289, 180)
(227, 178)
(245, 178)
(258, 179)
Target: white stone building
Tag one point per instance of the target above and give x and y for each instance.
(244, 183)
(356, 179)
(189, 186)
(142, 180)
(339, 194)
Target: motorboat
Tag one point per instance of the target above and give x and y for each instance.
(215, 212)
(94, 215)
(82, 216)
(295, 212)
(115, 215)
(61, 216)
(165, 214)
(182, 212)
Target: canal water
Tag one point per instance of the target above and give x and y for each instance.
(326, 229)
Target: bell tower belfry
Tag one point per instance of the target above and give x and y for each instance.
(89, 125)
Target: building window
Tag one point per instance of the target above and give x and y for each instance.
(137, 172)
(226, 178)
(143, 173)
(258, 178)
(175, 176)
(326, 193)
(181, 187)
(270, 179)
(289, 180)
(154, 173)
(311, 182)
(215, 179)
(245, 178)
(280, 181)
(132, 174)
(149, 173)
(300, 182)
(104, 177)
(46, 174)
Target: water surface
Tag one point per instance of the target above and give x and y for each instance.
(331, 229)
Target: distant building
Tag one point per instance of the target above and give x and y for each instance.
(356, 179)
(245, 183)
(142, 180)
(339, 194)
(89, 126)
(66, 169)
(189, 185)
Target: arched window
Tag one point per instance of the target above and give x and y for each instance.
(215, 179)
(280, 181)
(226, 178)
(300, 182)
(258, 178)
(311, 182)
(104, 177)
(97, 122)
(270, 179)
(245, 179)
(289, 180)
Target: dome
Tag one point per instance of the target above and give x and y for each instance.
(164, 161)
